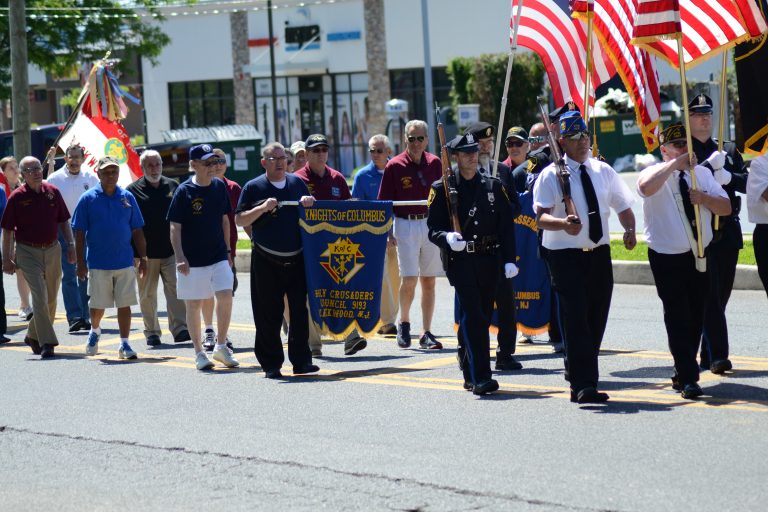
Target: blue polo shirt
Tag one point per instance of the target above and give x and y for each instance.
(108, 223)
(367, 182)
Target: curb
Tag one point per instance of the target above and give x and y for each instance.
(624, 272)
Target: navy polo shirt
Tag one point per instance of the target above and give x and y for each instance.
(108, 223)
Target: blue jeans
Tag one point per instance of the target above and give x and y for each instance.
(74, 291)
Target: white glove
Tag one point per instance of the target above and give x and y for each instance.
(510, 270)
(716, 160)
(722, 176)
(455, 241)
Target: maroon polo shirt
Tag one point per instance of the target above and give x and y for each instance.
(35, 216)
(234, 190)
(332, 186)
(406, 180)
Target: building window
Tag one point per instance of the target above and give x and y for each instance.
(408, 85)
(199, 104)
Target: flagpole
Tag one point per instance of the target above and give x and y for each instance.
(688, 139)
(588, 65)
(723, 100)
(510, 60)
(49, 157)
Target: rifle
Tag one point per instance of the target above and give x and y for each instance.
(563, 176)
(451, 195)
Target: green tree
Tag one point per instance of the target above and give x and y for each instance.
(481, 80)
(80, 31)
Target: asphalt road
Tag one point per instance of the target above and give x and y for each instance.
(387, 429)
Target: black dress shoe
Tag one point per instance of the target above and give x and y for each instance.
(507, 363)
(153, 340)
(306, 368)
(720, 366)
(468, 385)
(182, 337)
(33, 344)
(676, 384)
(591, 396)
(489, 386)
(4, 339)
(387, 330)
(704, 364)
(46, 351)
(273, 374)
(691, 391)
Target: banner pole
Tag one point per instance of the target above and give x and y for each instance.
(723, 100)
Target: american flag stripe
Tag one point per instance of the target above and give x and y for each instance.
(752, 17)
(655, 19)
(559, 41)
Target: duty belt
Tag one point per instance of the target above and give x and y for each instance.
(486, 245)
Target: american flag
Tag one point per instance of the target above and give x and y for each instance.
(708, 27)
(612, 22)
(559, 41)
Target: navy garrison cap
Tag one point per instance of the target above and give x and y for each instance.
(462, 144)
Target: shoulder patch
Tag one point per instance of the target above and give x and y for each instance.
(431, 197)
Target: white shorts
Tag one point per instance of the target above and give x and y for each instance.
(416, 255)
(112, 288)
(204, 282)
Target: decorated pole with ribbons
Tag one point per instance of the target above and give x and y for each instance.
(510, 61)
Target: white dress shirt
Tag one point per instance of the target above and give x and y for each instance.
(610, 190)
(757, 182)
(72, 186)
(664, 226)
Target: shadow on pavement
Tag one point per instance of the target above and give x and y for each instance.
(647, 372)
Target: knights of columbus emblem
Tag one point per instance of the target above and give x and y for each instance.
(342, 262)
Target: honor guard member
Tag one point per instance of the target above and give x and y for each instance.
(670, 233)
(483, 134)
(757, 208)
(728, 169)
(277, 262)
(578, 250)
(472, 258)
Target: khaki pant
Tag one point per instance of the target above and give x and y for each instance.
(390, 288)
(42, 270)
(165, 269)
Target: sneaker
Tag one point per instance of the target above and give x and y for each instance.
(387, 329)
(25, 314)
(209, 341)
(126, 352)
(404, 335)
(202, 362)
(76, 325)
(224, 356)
(229, 344)
(524, 340)
(354, 344)
(429, 342)
(92, 347)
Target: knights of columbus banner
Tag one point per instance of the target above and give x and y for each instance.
(532, 287)
(344, 247)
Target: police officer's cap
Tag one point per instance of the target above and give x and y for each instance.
(480, 130)
(701, 104)
(462, 144)
(555, 115)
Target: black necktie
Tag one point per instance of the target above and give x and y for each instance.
(595, 223)
(687, 204)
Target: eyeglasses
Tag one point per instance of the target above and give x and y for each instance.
(515, 143)
(276, 158)
(679, 144)
(577, 136)
(321, 149)
(412, 138)
(36, 168)
(215, 161)
(377, 150)
(536, 139)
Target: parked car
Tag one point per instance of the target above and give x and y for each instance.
(42, 139)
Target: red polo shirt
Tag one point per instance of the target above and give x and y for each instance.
(234, 190)
(35, 216)
(406, 180)
(332, 186)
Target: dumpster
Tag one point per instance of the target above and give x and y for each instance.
(618, 135)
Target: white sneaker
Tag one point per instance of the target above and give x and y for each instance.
(224, 356)
(126, 352)
(25, 313)
(92, 346)
(202, 361)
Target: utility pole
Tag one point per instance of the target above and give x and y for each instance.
(22, 142)
(275, 127)
(428, 76)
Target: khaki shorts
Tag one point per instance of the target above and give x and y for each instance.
(416, 255)
(112, 288)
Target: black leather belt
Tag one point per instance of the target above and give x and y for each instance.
(413, 216)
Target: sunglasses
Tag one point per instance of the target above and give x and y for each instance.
(515, 143)
(377, 150)
(577, 136)
(419, 138)
(679, 144)
(215, 161)
(536, 139)
(322, 149)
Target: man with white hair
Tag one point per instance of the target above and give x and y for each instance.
(408, 177)
(366, 188)
(153, 193)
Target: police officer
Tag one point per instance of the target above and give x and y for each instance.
(483, 134)
(729, 171)
(471, 258)
(578, 250)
